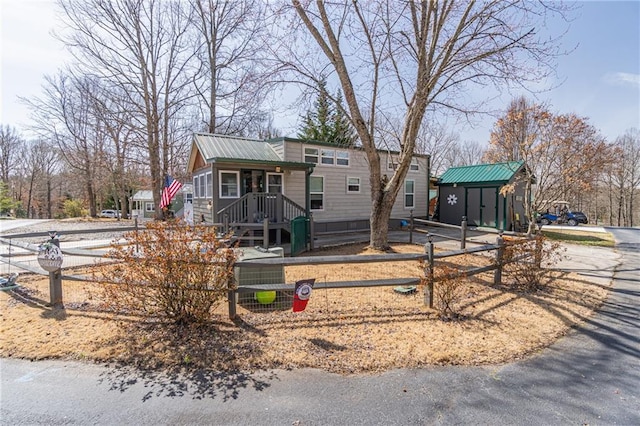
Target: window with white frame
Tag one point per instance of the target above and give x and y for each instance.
(203, 186)
(196, 188)
(342, 158)
(150, 207)
(209, 189)
(229, 184)
(311, 155)
(409, 193)
(328, 157)
(414, 166)
(392, 164)
(275, 183)
(353, 184)
(316, 192)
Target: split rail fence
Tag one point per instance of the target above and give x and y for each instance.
(91, 254)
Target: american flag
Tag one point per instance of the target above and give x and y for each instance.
(171, 188)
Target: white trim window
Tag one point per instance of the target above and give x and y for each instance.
(342, 158)
(196, 188)
(316, 192)
(328, 157)
(409, 193)
(275, 183)
(353, 185)
(202, 185)
(209, 189)
(229, 184)
(311, 155)
(415, 165)
(392, 162)
(149, 207)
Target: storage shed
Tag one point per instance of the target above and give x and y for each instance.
(474, 192)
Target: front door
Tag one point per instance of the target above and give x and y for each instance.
(252, 181)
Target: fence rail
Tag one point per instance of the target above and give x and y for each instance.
(429, 259)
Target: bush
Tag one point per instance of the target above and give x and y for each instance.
(448, 291)
(72, 208)
(527, 261)
(170, 270)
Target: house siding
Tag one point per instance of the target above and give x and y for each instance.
(342, 205)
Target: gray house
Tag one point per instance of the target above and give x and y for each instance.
(248, 180)
(474, 192)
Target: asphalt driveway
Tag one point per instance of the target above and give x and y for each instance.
(590, 377)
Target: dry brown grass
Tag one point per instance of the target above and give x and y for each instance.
(346, 331)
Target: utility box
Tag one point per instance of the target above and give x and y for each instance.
(258, 274)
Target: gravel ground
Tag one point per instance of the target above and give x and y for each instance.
(75, 229)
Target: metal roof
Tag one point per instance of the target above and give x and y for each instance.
(499, 173)
(143, 195)
(216, 147)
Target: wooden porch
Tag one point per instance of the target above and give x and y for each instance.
(251, 211)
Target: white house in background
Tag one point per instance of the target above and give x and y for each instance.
(248, 180)
(143, 206)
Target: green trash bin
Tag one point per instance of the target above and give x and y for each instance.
(299, 232)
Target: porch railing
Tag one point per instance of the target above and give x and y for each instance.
(257, 206)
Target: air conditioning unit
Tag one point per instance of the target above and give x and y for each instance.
(258, 274)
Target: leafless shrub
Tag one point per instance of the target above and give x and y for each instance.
(448, 291)
(171, 271)
(527, 261)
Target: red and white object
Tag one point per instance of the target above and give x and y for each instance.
(302, 294)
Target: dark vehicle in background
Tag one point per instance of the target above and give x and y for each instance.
(580, 217)
(559, 213)
(566, 217)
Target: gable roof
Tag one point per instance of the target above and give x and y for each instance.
(214, 147)
(499, 173)
(143, 195)
(232, 149)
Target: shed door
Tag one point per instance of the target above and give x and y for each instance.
(489, 207)
(482, 206)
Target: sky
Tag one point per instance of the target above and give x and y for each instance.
(600, 77)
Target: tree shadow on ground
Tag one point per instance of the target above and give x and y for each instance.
(197, 361)
(184, 382)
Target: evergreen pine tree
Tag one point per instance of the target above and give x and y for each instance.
(327, 122)
(343, 132)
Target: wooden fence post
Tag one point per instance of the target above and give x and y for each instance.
(411, 226)
(497, 274)
(428, 294)
(463, 233)
(265, 233)
(55, 279)
(312, 231)
(226, 223)
(231, 296)
(538, 251)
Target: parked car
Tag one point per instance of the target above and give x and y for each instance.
(580, 217)
(110, 214)
(566, 217)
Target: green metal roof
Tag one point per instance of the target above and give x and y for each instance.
(214, 147)
(499, 173)
(227, 149)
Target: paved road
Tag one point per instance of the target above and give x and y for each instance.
(590, 377)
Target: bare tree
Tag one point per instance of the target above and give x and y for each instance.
(624, 178)
(141, 47)
(231, 84)
(423, 54)
(65, 114)
(563, 153)
(10, 145)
